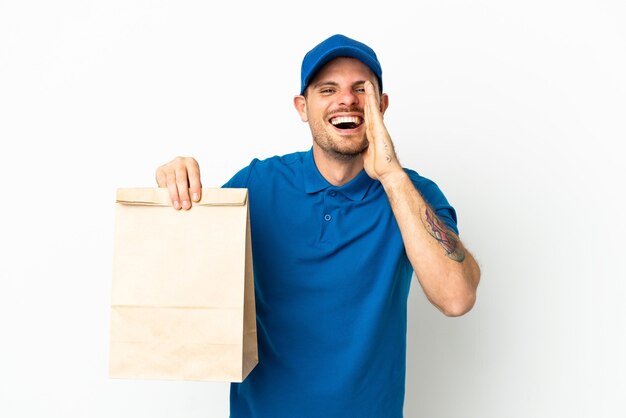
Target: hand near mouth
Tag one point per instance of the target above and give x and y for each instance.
(379, 158)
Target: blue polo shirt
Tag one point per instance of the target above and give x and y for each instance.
(332, 280)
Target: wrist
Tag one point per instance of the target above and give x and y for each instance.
(393, 178)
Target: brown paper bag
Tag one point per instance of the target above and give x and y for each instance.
(182, 304)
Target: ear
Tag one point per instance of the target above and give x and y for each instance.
(384, 103)
(299, 102)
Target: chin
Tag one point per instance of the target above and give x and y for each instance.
(348, 153)
(342, 147)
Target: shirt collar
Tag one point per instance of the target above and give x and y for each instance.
(314, 182)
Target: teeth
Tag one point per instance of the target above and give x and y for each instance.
(345, 119)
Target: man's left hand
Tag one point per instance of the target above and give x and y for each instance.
(379, 158)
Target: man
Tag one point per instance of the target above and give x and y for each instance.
(337, 233)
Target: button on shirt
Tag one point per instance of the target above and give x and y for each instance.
(331, 285)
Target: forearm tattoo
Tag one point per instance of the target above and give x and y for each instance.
(444, 237)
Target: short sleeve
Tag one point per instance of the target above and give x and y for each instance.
(435, 198)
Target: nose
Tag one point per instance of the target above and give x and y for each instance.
(347, 97)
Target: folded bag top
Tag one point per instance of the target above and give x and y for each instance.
(160, 197)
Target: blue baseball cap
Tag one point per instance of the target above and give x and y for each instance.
(334, 47)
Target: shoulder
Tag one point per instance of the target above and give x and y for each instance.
(279, 161)
(274, 165)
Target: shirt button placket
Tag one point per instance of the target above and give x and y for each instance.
(327, 216)
(328, 233)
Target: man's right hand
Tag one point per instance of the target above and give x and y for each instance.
(181, 176)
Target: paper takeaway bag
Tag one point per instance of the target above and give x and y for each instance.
(182, 304)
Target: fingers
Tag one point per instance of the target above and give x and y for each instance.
(374, 124)
(181, 177)
(372, 108)
(195, 185)
(182, 184)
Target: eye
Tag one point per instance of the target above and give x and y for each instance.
(327, 90)
(359, 88)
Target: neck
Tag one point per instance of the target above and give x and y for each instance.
(337, 171)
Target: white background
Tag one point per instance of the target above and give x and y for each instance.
(516, 109)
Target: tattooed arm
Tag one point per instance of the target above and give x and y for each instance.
(447, 272)
(441, 233)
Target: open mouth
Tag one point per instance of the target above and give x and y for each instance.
(346, 122)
